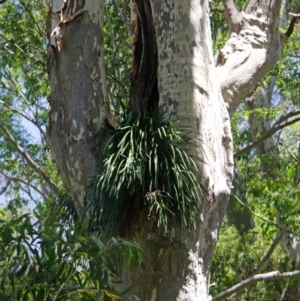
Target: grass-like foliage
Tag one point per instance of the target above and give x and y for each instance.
(144, 167)
(64, 206)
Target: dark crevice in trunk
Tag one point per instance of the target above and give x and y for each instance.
(144, 94)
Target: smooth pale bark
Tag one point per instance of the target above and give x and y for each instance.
(78, 91)
(254, 46)
(259, 277)
(186, 68)
(186, 81)
(187, 86)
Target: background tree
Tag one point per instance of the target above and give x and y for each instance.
(261, 141)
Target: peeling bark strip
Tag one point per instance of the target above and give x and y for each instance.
(70, 11)
(144, 92)
(78, 93)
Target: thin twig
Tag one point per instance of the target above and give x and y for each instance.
(13, 83)
(10, 139)
(276, 127)
(259, 216)
(25, 116)
(268, 254)
(19, 180)
(283, 293)
(33, 19)
(19, 93)
(32, 57)
(292, 155)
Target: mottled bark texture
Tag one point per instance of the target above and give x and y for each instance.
(254, 46)
(173, 64)
(78, 90)
(173, 270)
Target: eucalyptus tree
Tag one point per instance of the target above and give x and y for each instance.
(173, 69)
(174, 73)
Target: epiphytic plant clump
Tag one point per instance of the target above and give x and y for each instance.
(143, 167)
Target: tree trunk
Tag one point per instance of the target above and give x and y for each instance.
(78, 90)
(259, 121)
(173, 270)
(186, 83)
(173, 69)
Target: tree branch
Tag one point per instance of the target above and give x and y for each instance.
(10, 139)
(287, 116)
(283, 293)
(266, 257)
(11, 86)
(26, 190)
(290, 30)
(13, 43)
(257, 215)
(276, 127)
(25, 116)
(253, 279)
(232, 15)
(33, 19)
(19, 180)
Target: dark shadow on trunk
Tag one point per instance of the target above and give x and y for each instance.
(237, 214)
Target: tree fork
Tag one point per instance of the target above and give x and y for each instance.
(180, 31)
